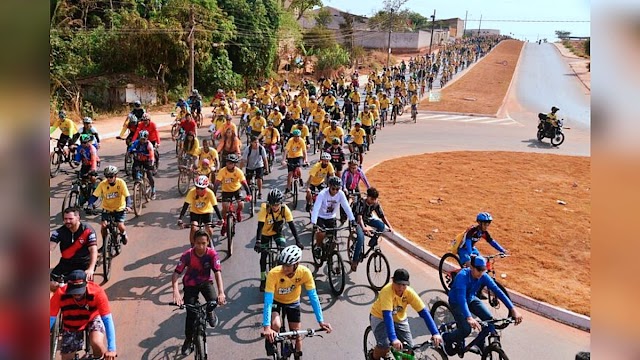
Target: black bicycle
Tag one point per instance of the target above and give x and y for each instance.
(422, 351)
(491, 349)
(285, 341)
(111, 246)
(79, 194)
(378, 270)
(330, 252)
(253, 187)
(200, 325)
(60, 156)
(141, 189)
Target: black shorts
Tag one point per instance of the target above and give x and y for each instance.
(228, 196)
(326, 223)
(337, 166)
(367, 129)
(118, 216)
(258, 173)
(293, 163)
(317, 188)
(255, 133)
(62, 141)
(291, 311)
(65, 266)
(359, 147)
(201, 218)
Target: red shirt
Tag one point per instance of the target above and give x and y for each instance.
(188, 126)
(76, 316)
(151, 128)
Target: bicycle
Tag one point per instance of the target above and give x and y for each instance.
(296, 179)
(271, 156)
(253, 187)
(60, 156)
(492, 349)
(394, 113)
(200, 325)
(111, 246)
(79, 194)
(378, 270)
(330, 252)
(423, 351)
(230, 227)
(383, 117)
(141, 189)
(186, 176)
(414, 113)
(55, 338)
(285, 341)
(447, 276)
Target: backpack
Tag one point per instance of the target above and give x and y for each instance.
(457, 242)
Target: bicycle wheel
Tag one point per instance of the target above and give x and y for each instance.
(294, 194)
(70, 200)
(175, 131)
(498, 309)
(147, 189)
(446, 277)
(230, 232)
(378, 271)
(54, 337)
(318, 260)
(368, 342)
(198, 343)
(72, 164)
(427, 352)
(443, 316)
(54, 164)
(335, 269)
(128, 163)
(351, 244)
(107, 243)
(137, 198)
(494, 352)
(183, 182)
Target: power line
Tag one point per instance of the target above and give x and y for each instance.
(533, 21)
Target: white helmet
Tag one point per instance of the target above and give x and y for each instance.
(244, 100)
(202, 182)
(325, 156)
(290, 255)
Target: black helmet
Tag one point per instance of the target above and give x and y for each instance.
(299, 122)
(275, 197)
(554, 109)
(233, 158)
(335, 181)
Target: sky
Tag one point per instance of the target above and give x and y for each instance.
(545, 10)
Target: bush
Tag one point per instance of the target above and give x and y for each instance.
(332, 58)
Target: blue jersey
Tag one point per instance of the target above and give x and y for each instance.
(465, 287)
(475, 234)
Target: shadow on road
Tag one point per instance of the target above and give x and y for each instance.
(534, 143)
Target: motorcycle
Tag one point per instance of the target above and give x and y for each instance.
(545, 130)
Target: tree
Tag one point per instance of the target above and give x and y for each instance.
(561, 34)
(323, 17)
(383, 20)
(587, 47)
(300, 6)
(318, 38)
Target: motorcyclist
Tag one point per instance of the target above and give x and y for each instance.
(552, 118)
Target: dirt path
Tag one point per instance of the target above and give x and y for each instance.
(549, 241)
(483, 88)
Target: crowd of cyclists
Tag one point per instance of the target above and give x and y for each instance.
(340, 120)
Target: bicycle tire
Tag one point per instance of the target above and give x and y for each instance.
(106, 256)
(146, 186)
(495, 303)
(128, 163)
(336, 273)
(72, 164)
(442, 315)
(494, 352)
(351, 243)
(198, 343)
(368, 342)
(428, 352)
(54, 337)
(54, 164)
(175, 131)
(445, 277)
(230, 230)
(183, 182)
(294, 194)
(137, 198)
(252, 203)
(316, 260)
(378, 270)
(70, 200)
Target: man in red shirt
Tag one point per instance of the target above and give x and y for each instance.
(188, 124)
(84, 306)
(154, 137)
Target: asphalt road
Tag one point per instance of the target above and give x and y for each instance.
(140, 285)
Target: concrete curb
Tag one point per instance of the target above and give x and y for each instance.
(458, 113)
(571, 67)
(539, 307)
(515, 71)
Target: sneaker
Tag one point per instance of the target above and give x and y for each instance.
(187, 347)
(354, 266)
(297, 355)
(153, 195)
(212, 319)
(124, 239)
(270, 347)
(317, 252)
(287, 190)
(262, 284)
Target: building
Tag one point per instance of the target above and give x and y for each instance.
(482, 32)
(309, 19)
(114, 90)
(455, 25)
(401, 42)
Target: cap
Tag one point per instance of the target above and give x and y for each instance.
(479, 263)
(401, 276)
(76, 282)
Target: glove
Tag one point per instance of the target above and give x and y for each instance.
(257, 248)
(299, 244)
(247, 198)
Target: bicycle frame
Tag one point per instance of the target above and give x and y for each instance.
(200, 325)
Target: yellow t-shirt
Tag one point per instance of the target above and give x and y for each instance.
(413, 86)
(318, 114)
(244, 107)
(211, 155)
(231, 181)
(325, 124)
(258, 123)
(296, 112)
(287, 290)
(201, 204)
(67, 127)
(330, 100)
(355, 97)
(329, 133)
(195, 149)
(319, 174)
(269, 218)
(388, 300)
(414, 99)
(114, 197)
(312, 106)
(271, 136)
(384, 103)
(201, 170)
(367, 118)
(358, 136)
(396, 100)
(223, 110)
(266, 99)
(276, 117)
(295, 149)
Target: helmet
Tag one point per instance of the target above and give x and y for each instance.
(227, 117)
(220, 90)
(223, 101)
(270, 123)
(296, 132)
(484, 217)
(195, 92)
(275, 197)
(259, 112)
(144, 134)
(87, 120)
(325, 156)
(137, 104)
(233, 158)
(110, 171)
(366, 107)
(85, 138)
(146, 116)
(133, 120)
(244, 100)
(312, 97)
(334, 123)
(554, 109)
(299, 122)
(202, 182)
(206, 162)
(354, 161)
(357, 123)
(335, 181)
(62, 114)
(332, 93)
(335, 141)
(372, 106)
(290, 255)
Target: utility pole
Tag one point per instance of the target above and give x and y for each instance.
(192, 55)
(479, 25)
(389, 43)
(465, 23)
(433, 25)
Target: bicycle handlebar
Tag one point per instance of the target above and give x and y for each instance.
(212, 303)
(296, 333)
(507, 320)
(500, 255)
(323, 229)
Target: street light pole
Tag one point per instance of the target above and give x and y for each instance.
(389, 43)
(433, 25)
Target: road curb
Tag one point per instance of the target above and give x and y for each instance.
(571, 67)
(513, 76)
(547, 310)
(458, 113)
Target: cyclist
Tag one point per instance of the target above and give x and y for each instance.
(464, 303)
(195, 102)
(358, 135)
(331, 132)
(466, 241)
(190, 147)
(287, 126)
(355, 98)
(78, 246)
(325, 209)
(86, 154)
(276, 118)
(115, 201)
(230, 144)
(384, 106)
(143, 159)
(367, 118)
(232, 179)
(204, 168)
(88, 129)
(199, 262)
(154, 136)
(254, 157)
(208, 153)
(131, 125)
(85, 307)
(138, 110)
(348, 110)
(295, 156)
(414, 102)
(388, 316)
(352, 177)
(318, 173)
(188, 124)
(337, 156)
(271, 136)
(282, 293)
(304, 131)
(271, 219)
(257, 123)
(296, 110)
(67, 127)
(363, 210)
(202, 202)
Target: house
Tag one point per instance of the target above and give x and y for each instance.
(309, 19)
(482, 32)
(114, 90)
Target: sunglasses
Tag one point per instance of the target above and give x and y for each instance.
(110, 176)
(334, 188)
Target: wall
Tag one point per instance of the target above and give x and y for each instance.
(145, 95)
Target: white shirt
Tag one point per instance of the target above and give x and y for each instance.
(327, 206)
